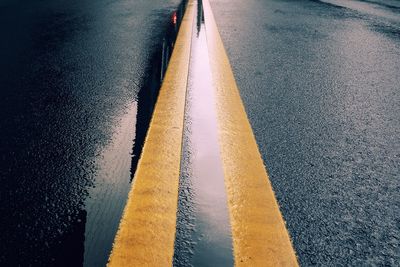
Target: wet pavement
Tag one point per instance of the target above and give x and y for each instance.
(320, 83)
(203, 235)
(78, 81)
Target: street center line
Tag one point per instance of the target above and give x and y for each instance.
(203, 229)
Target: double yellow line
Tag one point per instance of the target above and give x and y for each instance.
(147, 230)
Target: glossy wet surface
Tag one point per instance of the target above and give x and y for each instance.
(203, 231)
(320, 83)
(75, 78)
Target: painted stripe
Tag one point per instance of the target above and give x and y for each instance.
(147, 229)
(259, 233)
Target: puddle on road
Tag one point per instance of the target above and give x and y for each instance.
(148, 95)
(118, 163)
(107, 199)
(203, 231)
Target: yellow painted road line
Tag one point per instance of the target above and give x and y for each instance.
(259, 233)
(146, 233)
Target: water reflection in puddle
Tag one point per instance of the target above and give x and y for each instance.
(203, 229)
(118, 161)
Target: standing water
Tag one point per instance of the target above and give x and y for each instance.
(203, 229)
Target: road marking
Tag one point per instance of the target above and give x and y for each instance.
(146, 233)
(259, 233)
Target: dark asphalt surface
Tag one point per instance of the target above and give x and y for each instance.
(72, 77)
(321, 86)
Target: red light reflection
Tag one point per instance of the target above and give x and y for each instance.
(174, 18)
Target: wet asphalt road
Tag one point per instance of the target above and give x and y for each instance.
(320, 82)
(321, 86)
(72, 77)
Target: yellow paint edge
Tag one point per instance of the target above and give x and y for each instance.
(259, 233)
(147, 229)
